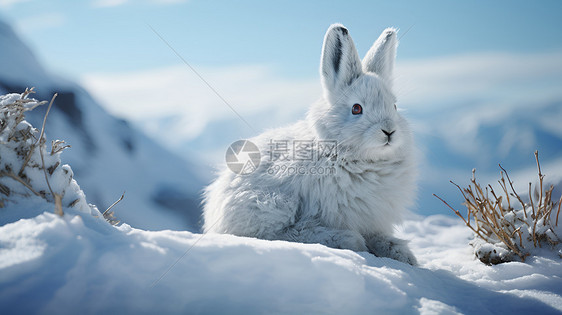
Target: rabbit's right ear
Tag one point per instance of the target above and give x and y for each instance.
(340, 64)
(380, 58)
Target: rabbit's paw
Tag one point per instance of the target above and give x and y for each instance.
(391, 247)
(346, 239)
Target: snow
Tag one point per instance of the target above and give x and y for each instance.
(80, 263)
(440, 243)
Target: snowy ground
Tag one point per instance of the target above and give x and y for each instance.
(79, 263)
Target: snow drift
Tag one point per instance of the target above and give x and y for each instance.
(79, 263)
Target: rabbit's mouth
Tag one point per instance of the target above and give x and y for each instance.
(389, 142)
(386, 144)
(380, 152)
(388, 147)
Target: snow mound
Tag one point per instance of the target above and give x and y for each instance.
(79, 263)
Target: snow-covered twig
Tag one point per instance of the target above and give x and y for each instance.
(19, 180)
(57, 197)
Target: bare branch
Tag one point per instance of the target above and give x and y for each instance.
(558, 212)
(113, 205)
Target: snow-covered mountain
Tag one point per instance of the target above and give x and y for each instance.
(108, 155)
(465, 136)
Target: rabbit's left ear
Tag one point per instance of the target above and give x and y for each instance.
(380, 58)
(340, 64)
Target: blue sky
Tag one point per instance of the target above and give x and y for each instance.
(78, 37)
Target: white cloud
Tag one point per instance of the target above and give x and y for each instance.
(174, 102)
(107, 3)
(493, 76)
(44, 21)
(176, 96)
(114, 3)
(167, 1)
(9, 3)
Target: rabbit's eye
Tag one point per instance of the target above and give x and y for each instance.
(396, 108)
(357, 109)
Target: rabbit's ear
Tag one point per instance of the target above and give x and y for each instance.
(380, 58)
(340, 64)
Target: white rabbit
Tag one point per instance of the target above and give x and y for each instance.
(364, 186)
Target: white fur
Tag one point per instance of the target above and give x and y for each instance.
(374, 182)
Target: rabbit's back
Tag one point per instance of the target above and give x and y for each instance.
(261, 203)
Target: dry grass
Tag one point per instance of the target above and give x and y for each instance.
(494, 220)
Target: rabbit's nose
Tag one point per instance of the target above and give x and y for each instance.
(388, 133)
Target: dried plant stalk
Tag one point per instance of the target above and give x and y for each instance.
(495, 221)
